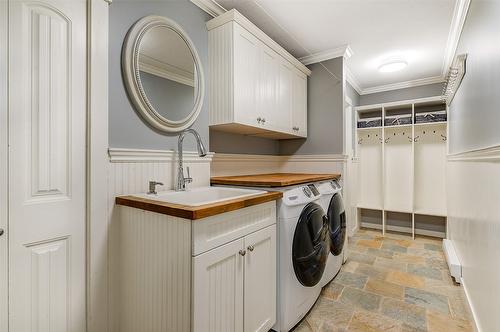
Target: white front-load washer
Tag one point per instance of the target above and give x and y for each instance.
(303, 251)
(332, 204)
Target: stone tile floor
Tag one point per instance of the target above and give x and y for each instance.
(391, 283)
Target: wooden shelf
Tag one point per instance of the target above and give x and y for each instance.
(399, 126)
(369, 128)
(431, 124)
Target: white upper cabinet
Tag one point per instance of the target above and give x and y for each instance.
(256, 87)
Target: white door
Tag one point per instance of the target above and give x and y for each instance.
(299, 105)
(285, 97)
(3, 170)
(350, 183)
(260, 280)
(268, 83)
(218, 285)
(47, 123)
(246, 76)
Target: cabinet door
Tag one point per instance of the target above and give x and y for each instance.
(299, 104)
(285, 97)
(260, 280)
(218, 289)
(246, 76)
(268, 83)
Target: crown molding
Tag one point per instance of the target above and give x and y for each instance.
(158, 68)
(403, 85)
(211, 7)
(343, 50)
(457, 25)
(352, 80)
(117, 155)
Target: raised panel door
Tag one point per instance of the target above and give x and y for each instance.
(260, 280)
(218, 289)
(47, 126)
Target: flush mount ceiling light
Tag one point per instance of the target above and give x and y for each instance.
(392, 65)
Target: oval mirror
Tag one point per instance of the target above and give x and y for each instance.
(163, 73)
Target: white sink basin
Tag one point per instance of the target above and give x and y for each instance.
(201, 196)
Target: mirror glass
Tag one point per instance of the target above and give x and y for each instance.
(167, 73)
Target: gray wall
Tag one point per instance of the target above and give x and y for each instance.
(325, 108)
(422, 91)
(223, 142)
(171, 99)
(475, 110)
(126, 128)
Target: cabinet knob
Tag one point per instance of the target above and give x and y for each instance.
(1, 231)
(250, 248)
(242, 252)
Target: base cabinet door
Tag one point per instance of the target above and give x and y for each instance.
(218, 289)
(260, 280)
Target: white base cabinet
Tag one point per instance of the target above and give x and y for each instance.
(234, 285)
(256, 87)
(213, 274)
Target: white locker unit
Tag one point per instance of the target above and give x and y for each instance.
(402, 165)
(256, 87)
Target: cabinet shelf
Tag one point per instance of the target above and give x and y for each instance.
(369, 128)
(431, 124)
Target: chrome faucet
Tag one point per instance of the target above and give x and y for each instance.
(202, 152)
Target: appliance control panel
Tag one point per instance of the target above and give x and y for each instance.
(301, 195)
(329, 187)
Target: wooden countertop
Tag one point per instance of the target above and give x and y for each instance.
(272, 179)
(197, 212)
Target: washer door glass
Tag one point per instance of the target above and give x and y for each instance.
(310, 248)
(337, 224)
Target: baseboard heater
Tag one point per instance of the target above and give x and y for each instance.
(452, 260)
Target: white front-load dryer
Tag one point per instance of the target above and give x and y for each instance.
(303, 251)
(332, 204)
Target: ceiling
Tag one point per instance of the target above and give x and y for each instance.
(168, 48)
(423, 32)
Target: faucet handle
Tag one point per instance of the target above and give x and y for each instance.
(152, 187)
(188, 179)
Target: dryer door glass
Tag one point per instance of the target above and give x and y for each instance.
(337, 224)
(310, 246)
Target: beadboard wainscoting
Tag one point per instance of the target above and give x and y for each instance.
(473, 180)
(241, 164)
(130, 171)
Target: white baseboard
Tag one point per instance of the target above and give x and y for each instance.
(471, 308)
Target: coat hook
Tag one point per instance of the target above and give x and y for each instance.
(387, 139)
(416, 139)
(410, 139)
(360, 140)
(444, 138)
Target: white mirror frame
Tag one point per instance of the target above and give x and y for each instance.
(130, 69)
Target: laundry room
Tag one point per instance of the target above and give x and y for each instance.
(249, 165)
